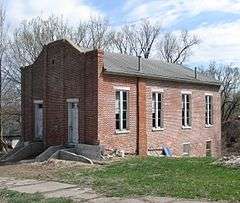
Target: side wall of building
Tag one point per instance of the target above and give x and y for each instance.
(172, 136)
(106, 113)
(26, 104)
(32, 89)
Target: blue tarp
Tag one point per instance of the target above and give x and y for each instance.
(167, 151)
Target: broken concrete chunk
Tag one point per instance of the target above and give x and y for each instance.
(65, 155)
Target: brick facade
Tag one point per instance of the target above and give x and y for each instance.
(59, 73)
(62, 72)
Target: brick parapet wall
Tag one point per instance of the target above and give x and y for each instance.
(61, 72)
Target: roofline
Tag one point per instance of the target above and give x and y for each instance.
(64, 40)
(139, 75)
(162, 78)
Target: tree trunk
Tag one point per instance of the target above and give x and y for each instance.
(1, 134)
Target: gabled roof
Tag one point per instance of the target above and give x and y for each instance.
(122, 64)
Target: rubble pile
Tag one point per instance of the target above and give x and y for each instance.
(232, 160)
(112, 153)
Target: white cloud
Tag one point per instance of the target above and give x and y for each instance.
(169, 11)
(72, 10)
(220, 43)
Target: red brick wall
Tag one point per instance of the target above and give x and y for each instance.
(61, 72)
(74, 67)
(54, 101)
(106, 113)
(91, 97)
(26, 104)
(173, 135)
(32, 89)
(142, 146)
(73, 75)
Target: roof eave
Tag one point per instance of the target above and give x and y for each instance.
(163, 78)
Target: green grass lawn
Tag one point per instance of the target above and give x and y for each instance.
(8, 196)
(194, 178)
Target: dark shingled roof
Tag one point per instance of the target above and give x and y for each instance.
(121, 64)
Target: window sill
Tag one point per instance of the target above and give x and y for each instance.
(186, 127)
(157, 129)
(122, 131)
(208, 126)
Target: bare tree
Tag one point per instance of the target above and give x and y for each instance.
(147, 36)
(2, 52)
(121, 43)
(174, 48)
(79, 35)
(30, 37)
(28, 40)
(100, 35)
(136, 39)
(229, 76)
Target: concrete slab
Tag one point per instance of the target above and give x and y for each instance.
(41, 187)
(87, 196)
(71, 192)
(132, 200)
(104, 200)
(17, 183)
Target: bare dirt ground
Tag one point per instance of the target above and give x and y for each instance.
(40, 171)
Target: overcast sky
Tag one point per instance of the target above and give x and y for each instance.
(216, 22)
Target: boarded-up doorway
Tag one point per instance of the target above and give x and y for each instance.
(72, 121)
(38, 119)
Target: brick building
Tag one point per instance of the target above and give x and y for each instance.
(72, 95)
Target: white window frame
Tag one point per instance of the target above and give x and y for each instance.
(121, 88)
(157, 92)
(185, 94)
(207, 104)
(121, 129)
(38, 101)
(72, 100)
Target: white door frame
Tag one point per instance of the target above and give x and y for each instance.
(73, 136)
(38, 121)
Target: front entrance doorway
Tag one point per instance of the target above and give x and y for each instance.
(38, 119)
(72, 122)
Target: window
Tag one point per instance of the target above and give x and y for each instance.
(186, 149)
(208, 148)
(186, 111)
(157, 121)
(208, 110)
(121, 110)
